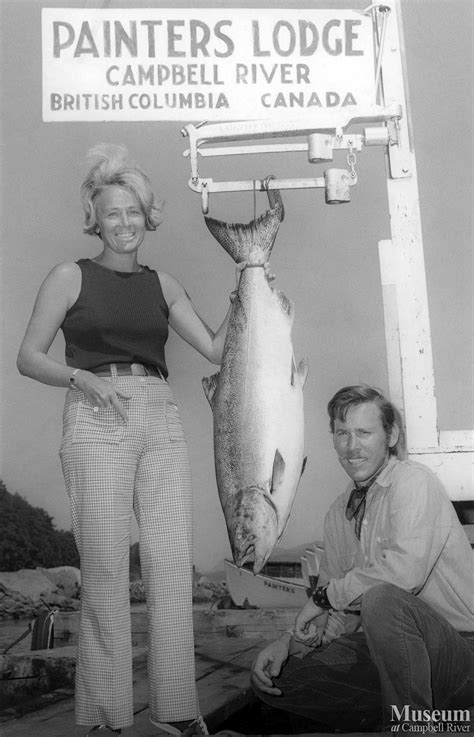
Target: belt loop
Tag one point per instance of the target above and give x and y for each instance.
(113, 371)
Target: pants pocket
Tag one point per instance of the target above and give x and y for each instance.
(173, 422)
(103, 426)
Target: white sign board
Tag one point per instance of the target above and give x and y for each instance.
(210, 64)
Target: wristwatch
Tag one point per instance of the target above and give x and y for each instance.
(320, 597)
(72, 379)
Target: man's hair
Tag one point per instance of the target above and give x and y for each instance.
(352, 396)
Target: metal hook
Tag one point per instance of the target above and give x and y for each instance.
(204, 198)
(380, 8)
(274, 196)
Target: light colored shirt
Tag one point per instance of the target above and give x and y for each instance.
(411, 537)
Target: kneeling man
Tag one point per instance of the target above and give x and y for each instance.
(387, 635)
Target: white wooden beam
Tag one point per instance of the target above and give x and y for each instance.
(455, 470)
(417, 376)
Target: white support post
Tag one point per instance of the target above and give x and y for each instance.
(407, 260)
(410, 363)
(392, 333)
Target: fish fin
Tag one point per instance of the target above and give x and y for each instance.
(302, 371)
(279, 466)
(253, 241)
(299, 373)
(303, 465)
(209, 384)
(287, 306)
(293, 371)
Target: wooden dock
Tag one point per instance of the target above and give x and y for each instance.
(222, 673)
(226, 643)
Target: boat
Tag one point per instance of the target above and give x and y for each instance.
(279, 585)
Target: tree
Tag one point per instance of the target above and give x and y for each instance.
(28, 537)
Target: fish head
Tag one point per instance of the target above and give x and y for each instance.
(253, 527)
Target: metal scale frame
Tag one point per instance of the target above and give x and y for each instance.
(405, 301)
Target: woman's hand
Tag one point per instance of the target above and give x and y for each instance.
(184, 318)
(239, 268)
(268, 274)
(238, 273)
(100, 392)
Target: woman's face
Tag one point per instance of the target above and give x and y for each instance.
(121, 219)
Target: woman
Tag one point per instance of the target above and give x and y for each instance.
(123, 448)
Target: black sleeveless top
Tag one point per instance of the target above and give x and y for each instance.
(118, 317)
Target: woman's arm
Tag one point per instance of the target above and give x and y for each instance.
(186, 321)
(56, 295)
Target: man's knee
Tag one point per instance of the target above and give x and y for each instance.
(381, 602)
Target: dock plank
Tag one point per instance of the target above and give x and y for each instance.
(222, 675)
(251, 623)
(226, 689)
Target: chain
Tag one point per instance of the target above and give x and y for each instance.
(351, 160)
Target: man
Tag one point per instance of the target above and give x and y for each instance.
(398, 564)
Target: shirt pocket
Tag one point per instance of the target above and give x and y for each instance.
(173, 422)
(103, 426)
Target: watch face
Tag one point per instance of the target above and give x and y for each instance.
(320, 597)
(72, 378)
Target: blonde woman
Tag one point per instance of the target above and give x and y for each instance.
(123, 450)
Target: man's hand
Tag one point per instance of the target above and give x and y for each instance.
(305, 630)
(268, 665)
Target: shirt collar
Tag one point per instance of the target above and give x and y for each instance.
(385, 477)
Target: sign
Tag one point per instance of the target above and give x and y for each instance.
(210, 64)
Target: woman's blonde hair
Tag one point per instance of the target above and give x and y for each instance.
(111, 166)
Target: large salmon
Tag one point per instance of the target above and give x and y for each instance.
(257, 397)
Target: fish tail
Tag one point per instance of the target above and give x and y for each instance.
(253, 241)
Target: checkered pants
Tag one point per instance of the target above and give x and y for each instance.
(113, 469)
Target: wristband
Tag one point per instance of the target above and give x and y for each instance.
(320, 597)
(72, 379)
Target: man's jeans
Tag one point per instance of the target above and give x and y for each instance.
(407, 655)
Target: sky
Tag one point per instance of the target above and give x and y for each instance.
(325, 258)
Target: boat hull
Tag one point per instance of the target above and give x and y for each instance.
(263, 591)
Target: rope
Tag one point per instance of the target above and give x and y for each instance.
(384, 9)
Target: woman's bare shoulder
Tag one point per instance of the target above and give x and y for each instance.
(172, 289)
(65, 270)
(64, 278)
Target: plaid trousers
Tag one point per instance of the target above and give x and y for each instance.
(113, 469)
